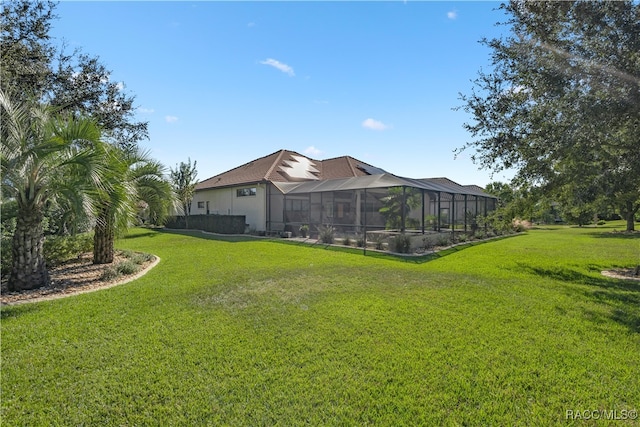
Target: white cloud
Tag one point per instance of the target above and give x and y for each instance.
(251, 24)
(170, 119)
(312, 151)
(146, 110)
(374, 125)
(279, 65)
(452, 14)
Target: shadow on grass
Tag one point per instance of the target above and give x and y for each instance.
(11, 311)
(621, 296)
(230, 238)
(138, 235)
(630, 235)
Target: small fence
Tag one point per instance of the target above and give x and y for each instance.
(222, 224)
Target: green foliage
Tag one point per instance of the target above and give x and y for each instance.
(560, 104)
(326, 234)
(184, 181)
(127, 267)
(397, 199)
(304, 230)
(502, 332)
(402, 243)
(378, 240)
(346, 241)
(75, 83)
(59, 249)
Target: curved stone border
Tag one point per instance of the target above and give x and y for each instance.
(86, 291)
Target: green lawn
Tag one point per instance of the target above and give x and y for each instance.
(516, 331)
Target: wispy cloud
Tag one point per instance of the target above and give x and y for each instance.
(312, 151)
(146, 110)
(251, 24)
(453, 14)
(170, 119)
(374, 125)
(279, 65)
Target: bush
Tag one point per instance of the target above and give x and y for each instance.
(402, 243)
(360, 242)
(127, 267)
(346, 241)
(137, 257)
(110, 273)
(58, 249)
(442, 240)
(326, 234)
(378, 241)
(304, 230)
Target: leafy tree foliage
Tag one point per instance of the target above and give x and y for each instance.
(184, 181)
(562, 102)
(75, 83)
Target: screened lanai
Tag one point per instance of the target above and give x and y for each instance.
(376, 202)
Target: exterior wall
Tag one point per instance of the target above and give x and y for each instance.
(226, 201)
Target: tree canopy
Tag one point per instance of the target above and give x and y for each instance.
(184, 180)
(561, 104)
(32, 67)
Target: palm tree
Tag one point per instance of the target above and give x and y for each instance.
(133, 177)
(43, 158)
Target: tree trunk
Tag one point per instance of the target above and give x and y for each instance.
(628, 212)
(630, 222)
(28, 269)
(103, 239)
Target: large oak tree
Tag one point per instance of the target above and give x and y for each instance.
(561, 104)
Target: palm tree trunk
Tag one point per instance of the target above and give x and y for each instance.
(28, 270)
(103, 239)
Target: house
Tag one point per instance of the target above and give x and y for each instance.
(284, 190)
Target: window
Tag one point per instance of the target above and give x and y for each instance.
(200, 205)
(243, 192)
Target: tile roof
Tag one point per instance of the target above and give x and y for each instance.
(289, 166)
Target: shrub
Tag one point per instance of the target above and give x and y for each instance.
(326, 234)
(520, 225)
(402, 243)
(360, 242)
(304, 230)
(127, 267)
(378, 241)
(6, 255)
(110, 273)
(137, 257)
(442, 240)
(462, 238)
(58, 249)
(346, 241)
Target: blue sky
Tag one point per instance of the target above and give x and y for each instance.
(224, 83)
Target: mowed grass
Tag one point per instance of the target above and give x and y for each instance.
(241, 332)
